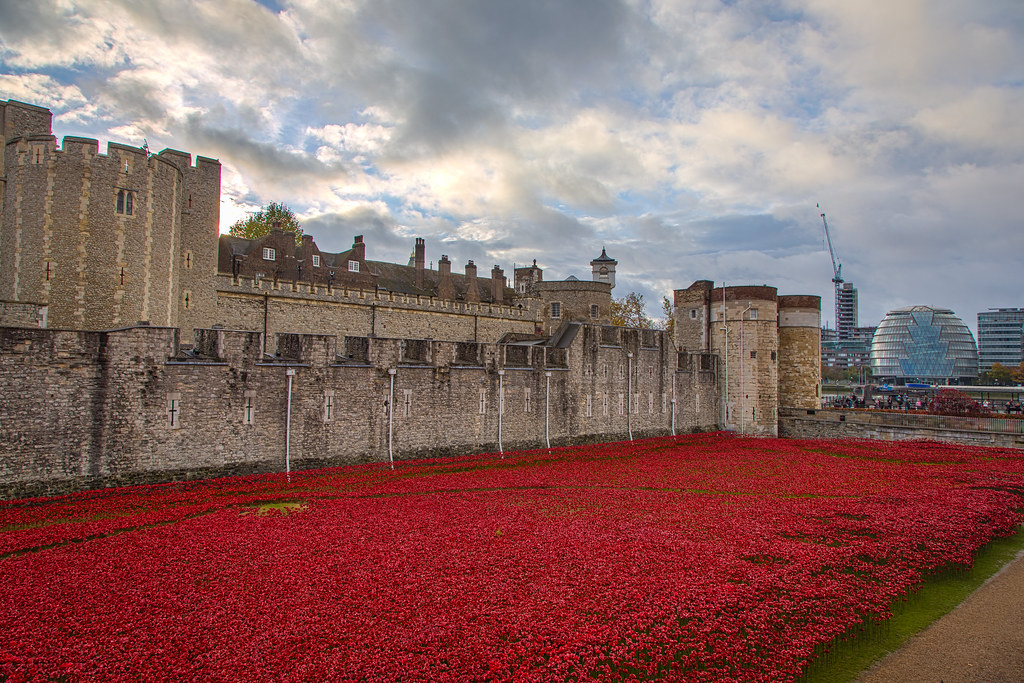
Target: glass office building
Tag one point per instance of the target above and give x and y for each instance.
(923, 344)
(1001, 337)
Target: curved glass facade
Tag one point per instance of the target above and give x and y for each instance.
(923, 344)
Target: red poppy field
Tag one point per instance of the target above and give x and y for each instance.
(705, 557)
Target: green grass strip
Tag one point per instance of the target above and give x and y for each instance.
(939, 595)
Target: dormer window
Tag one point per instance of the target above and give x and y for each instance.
(269, 254)
(316, 260)
(353, 266)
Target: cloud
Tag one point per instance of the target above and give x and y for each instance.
(692, 139)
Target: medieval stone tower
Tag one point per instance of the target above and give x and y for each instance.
(100, 241)
(768, 347)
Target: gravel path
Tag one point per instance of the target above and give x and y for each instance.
(982, 640)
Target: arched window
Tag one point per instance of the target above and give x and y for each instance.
(129, 203)
(120, 201)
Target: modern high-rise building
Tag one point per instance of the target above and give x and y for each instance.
(846, 310)
(1000, 337)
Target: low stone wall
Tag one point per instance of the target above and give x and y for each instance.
(891, 426)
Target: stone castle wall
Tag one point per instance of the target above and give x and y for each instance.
(799, 351)
(91, 409)
(248, 304)
(104, 240)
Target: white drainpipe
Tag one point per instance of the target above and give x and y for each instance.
(391, 418)
(290, 372)
(629, 394)
(673, 402)
(547, 412)
(501, 405)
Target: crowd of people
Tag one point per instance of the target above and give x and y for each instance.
(903, 402)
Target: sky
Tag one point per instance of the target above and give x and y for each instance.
(692, 139)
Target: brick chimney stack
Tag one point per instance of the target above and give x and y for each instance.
(472, 290)
(497, 285)
(358, 249)
(421, 249)
(445, 286)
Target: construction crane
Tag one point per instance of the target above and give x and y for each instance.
(837, 270)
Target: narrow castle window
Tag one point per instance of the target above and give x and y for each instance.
(174, 410)
(483, 402)
(664, 403)
(556, 309)
(329, 405)
(604, 404)
(353, 266)
(188, 259)
(249, 408)
(589, 407)
(636, 403)
(187, 299)
(528, 407)
(622, 371)
(650, 403)
(693, 314)
(753, 354)
(622, 405)
(120, 201)
(774, 355)
(269, 254)
(407, 403)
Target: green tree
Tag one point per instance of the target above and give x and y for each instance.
(670, 321)
(999, 374)
(630, 311)
(260, 223)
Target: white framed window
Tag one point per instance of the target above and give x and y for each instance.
(316, 260)
(556, 309)
(269, 254)
(249, 408)
(753, 314)
(528, 406)
(353, 266)
(483, 401)
(329, 405)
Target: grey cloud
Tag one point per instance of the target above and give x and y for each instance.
(286, 168)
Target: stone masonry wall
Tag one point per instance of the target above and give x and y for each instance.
(93, 409)
(298, 308)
